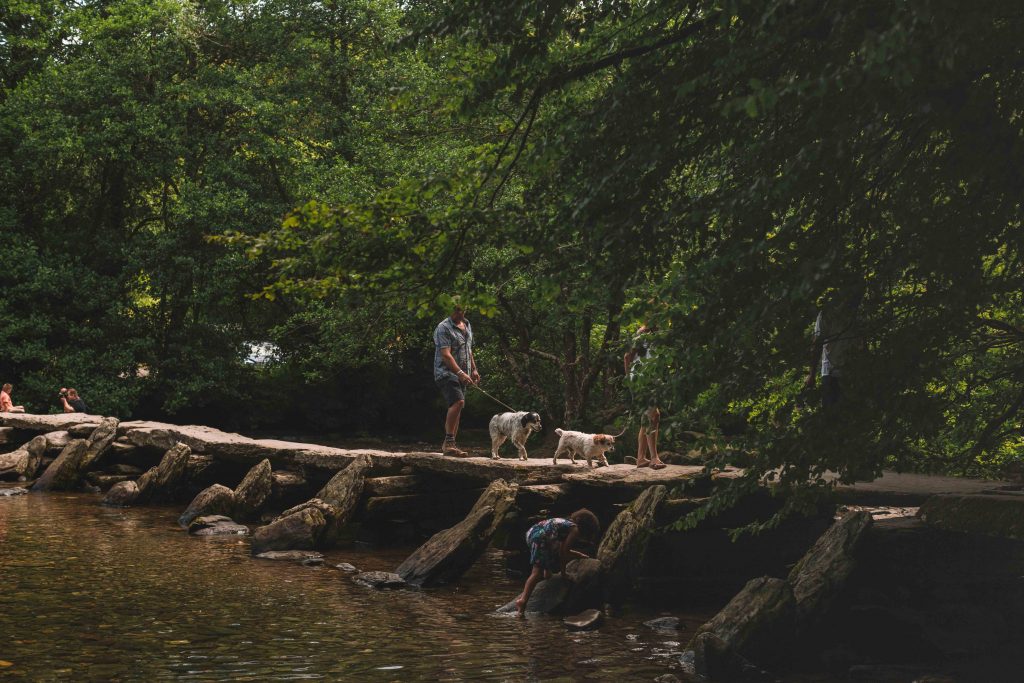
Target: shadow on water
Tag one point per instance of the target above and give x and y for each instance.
(92, 593)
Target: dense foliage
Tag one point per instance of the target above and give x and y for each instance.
(724, 170)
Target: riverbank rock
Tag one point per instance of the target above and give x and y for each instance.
(449, 553)
(213, 500)
(584, 621)
(23, 463)
(994, 514)
(379, 580)
(216, 525)
(342, 493)
(299, 530)
(290, 555)
(160, 484)
(122, 494)
(820, 577)
(757, 624)
(13, 491)
(253, 491)
(63, 474)
(624, 545)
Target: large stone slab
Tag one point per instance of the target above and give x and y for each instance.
(439, 504)
(342, 493)
(99, 441)
(987, 514)
(23, 463)
(242, 449)
(300, 530)
(162, 483)
(253, 491)
(47, 423)
(64, 473)
(449, 553)
(402, 485)
(633, 477)
(624, 545)
(486, 470)
(757, 624)
(820, 577)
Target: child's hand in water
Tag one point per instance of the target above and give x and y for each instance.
(520, 605)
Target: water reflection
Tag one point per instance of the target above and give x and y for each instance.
(94, 593)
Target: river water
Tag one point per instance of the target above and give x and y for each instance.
(95, 593)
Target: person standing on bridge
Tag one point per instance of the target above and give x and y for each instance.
(634, 363)
(454, 368)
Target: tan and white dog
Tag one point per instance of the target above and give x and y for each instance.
(515, 426)
(589, 446)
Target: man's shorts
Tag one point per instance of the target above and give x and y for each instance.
(451, 389)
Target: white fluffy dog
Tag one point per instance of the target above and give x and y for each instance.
(514, 426)
(589, 446)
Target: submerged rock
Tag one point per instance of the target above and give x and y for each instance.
(347, 568)
(547, 597)
(663, 624)
(216, 525)
(15, 491)
(213, 500)
(122, 494)
(290, 555)
(379, 580)
(587, 619)
(297, 531)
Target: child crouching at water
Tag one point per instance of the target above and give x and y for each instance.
(551, 544)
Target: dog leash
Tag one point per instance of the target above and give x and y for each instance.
(481, 390)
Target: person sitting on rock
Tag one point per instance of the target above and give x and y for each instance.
(6, 404)
(551, 544)
(72, 402)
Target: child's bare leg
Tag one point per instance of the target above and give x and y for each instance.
(531, 582)
(641, 448)
(654, 416)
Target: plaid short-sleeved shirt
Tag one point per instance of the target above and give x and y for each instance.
(448, 335)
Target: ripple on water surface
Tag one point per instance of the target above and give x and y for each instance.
(94, 593)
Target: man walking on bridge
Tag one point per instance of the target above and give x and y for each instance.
(454, 368)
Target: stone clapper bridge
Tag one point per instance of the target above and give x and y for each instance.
(316, 497)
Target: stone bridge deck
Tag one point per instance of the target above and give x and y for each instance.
(247, 451)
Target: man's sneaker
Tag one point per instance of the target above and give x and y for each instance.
(451, 450)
